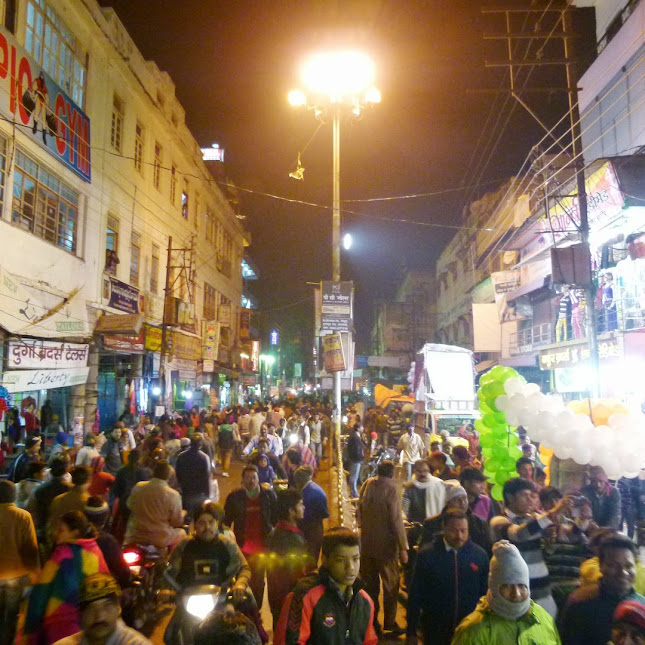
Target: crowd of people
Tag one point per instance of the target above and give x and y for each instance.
(543, 566)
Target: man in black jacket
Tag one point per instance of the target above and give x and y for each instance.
(249, 511)
(356, 456)
(330, 606)
(449, 578)
(193, 469)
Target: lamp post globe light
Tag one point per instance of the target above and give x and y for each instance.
(336, 81)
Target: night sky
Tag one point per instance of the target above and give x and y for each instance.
(233, 64)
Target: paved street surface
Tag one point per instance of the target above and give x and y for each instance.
(228, 484)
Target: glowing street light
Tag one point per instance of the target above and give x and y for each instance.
(336, 79)
(347, 241)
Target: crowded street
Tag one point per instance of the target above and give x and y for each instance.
(322, 323)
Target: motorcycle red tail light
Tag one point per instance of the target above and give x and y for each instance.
(131, 557)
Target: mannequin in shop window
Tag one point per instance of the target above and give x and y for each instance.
(563, 319)
(609, 303)
(577, 313)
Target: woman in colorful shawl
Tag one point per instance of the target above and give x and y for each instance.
(53, 606)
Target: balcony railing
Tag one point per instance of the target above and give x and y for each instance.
(628, 315)
(529, 339)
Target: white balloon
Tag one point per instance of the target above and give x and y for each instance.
(531, 388)
(631, 462)
(528, 417)
(512, 418)
(501, 402)
(582, 422)
(534, 401)
(619, 420)
(513, 386)
(516, 402)
(582, 456)
(564, 419)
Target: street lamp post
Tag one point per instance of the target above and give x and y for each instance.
(335, 79)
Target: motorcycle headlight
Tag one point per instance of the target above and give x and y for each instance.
(293, 438)
(200, 605)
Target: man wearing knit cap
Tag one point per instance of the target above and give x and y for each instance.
(506, 614)
(456, 498)
(588, 614)
(522, 526)
(100, 615)
(629, 624)
(449, 578)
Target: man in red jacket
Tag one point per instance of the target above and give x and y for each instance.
(330, 606)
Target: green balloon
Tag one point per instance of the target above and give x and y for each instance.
(489, 420)
(489, 474)
(485, 379)
(513, 439)
(500, 417)
(493, 465)
(485, 409)
(500, 433)
(509, 463)
(487, 452)
(479, 425)
(497, 492)
(501, 477)
(515, 452)
(480, 394)
(486, 440)
(499, 451)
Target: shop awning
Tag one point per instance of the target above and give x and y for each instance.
(530, 287)
(26, 310)
(484, 365)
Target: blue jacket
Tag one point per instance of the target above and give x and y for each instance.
(315, 501)
(446, 587)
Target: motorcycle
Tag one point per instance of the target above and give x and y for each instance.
(146, 562)
(379, 454)
(193, 605)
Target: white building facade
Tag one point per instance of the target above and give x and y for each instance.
(98, 171)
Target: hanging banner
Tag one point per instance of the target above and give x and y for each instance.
(153, 338)
(224, 315)
(210, 340)
(245, 323)
(44, 354)
(121, 296)
(336, 307)
(333, 357)
(31, 99)
(185, 347)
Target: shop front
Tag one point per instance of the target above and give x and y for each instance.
(40, 376)
(121, 391)
(181, 370)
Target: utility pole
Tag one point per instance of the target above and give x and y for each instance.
(186, 270)
(513, 64)
(576, 138)
(164, 324)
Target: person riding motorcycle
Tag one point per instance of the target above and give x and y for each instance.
(207, 557)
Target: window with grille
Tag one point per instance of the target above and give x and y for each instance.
(116, 130)
(43, 204)
(184, 203)
(112, 245)
(138, 148)
(156, 175)
(154, 270)
(56, 49)
(135, 258)
(210, 302)
(173, 184)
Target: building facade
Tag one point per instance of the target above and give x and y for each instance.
(104, 189)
